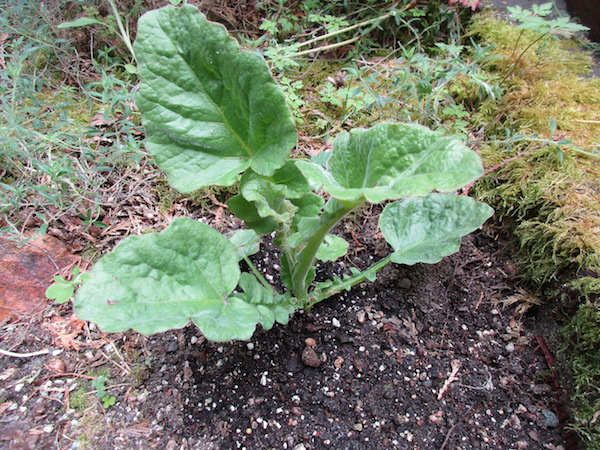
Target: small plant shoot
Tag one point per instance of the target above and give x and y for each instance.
(214, 115)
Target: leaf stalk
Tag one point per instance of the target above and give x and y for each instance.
(333, 213)
(346, 284)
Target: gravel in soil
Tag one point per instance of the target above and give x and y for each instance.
(427, 357)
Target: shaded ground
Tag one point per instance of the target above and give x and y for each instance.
(427, 357)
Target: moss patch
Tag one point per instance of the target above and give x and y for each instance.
(549, 194)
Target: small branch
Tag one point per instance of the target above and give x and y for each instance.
(327, 47)
(24, 355)
(465, 190)
(447, 437)
(343, 30)
(455, 364)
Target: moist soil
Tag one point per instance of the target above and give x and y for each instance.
(447, 356)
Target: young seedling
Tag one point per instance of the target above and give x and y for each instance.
(215, 116)
(538, 19)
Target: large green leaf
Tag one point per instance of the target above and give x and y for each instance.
(210, 109)
(424, 230)
(237, 319)
(156, 282)
(392, 161)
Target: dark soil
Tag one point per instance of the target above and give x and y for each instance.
(428, 357)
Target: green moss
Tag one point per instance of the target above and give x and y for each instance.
(588, 287)
(548, 194)
(583, 344)
(79, 400)
(528, 55)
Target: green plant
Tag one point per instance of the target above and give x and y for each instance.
(237, 123)
(537, 20)
(100, 386)
(122, 32)
(439, 92)
(53, 158)
(62, 290)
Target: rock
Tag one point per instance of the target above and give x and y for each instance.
(404, 283)
(310, 357)
(56, 365)
(173, 347)
(534, 435)
(359, 364)
(542, 388)
(437, 417)
(292, 364)
(550, 418)
(310, 342)
(361, 316)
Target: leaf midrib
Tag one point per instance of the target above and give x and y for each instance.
(187, 63)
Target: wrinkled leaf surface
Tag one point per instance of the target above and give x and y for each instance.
(210, 109)
(424, 230)
(156, 282)
(392, 161)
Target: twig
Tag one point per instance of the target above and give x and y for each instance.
(455, 364)
(447, 437)
(44, 351)
(69, 374)
(503, 164)
(116, 363)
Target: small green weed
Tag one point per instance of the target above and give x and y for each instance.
(414, 87)
(54, 155)
(62, 290)
(106, 399)
(537, 20)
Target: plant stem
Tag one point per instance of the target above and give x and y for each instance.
(516, 63)
(123, 32)
(258, 275)
(349, 282)
(334, 211)
(343, 30)
(327, 47)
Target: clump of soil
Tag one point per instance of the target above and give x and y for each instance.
(426, 357)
